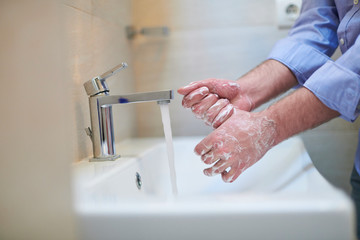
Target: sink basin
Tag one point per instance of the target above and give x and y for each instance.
(282, 196)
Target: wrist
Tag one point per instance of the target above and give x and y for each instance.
(266, 81)
(268, 128)
(298, 112)
(250, 93)
(272, 116)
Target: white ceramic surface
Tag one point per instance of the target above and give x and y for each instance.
(280, 197)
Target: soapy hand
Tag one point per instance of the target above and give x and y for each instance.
(213, 100)
(237, 144)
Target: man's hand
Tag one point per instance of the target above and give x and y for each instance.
(237, 144)
(213, 100)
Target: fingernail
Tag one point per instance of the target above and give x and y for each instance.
(207, 173)
(196, 152)
(203, 152)
(227, 180)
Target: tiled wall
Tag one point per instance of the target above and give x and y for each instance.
(35, 129)
(222, 39)
(48, 50)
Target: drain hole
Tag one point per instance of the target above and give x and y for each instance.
(138, 180)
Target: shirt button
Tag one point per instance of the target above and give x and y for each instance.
(342, 41)
(356, 2)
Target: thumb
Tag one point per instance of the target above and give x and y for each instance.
(223, 88)
(190, 87)
(210, 83)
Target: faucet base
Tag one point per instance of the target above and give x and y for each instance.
(103, 159)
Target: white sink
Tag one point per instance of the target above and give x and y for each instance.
(281, 197)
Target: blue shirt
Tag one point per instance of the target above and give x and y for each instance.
(322, 26)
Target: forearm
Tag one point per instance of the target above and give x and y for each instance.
(266, 81)
(298, 112)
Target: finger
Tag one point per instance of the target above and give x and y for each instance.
(209, 158)
(234, 173)
(195, 85)
(190, 87)
(195, 97)
(214, 110)
(218, 168)
(204, 146)
(200, 108)
(224, 114)
(223, 88)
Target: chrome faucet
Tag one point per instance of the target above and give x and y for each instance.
(100, 102)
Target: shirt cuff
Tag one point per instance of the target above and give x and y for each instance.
(338, 88)
(303, 60)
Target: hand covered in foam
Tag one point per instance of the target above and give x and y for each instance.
(213, 100)
(237, 144)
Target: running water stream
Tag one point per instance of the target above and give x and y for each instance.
(165, 116)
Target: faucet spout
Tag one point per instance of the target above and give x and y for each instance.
(108, 100)
(102, 127)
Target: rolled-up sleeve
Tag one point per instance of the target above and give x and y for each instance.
(303, 60)
(307, 50)
(337, 83)
(311, 41)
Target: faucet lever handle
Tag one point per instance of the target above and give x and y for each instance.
(113, 71)
(98, 84)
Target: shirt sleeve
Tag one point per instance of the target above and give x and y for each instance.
(307, 50)
(337, 83)
(311, 41)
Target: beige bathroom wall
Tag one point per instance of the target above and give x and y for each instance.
(96, 41)
(35, 127)
(49, 48)
(222, 39)
(203, 14)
